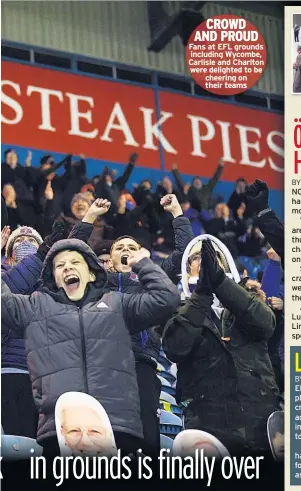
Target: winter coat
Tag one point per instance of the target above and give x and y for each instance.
(273, 230)
(21, 279)
(271, 279)
(199, 198)
(146, 344)
(271, 285)
(112, 193)
(226, 386)
(86, 347)
(235, 200)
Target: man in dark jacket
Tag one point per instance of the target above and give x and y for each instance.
(108, 189)
(225, 379)
(77, 336)
(199, 194)
(238, 195)
(146, 344)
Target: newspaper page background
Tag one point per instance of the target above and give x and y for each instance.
(293, 259)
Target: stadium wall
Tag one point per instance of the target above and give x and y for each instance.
(118, 31)
(58, 112)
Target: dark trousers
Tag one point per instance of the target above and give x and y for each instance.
(18, 410)
(149, 392)
(297, 37)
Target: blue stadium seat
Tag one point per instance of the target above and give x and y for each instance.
(164, 396)
(166, 386)
(168, 376)
(168, 403)
(164, 361)
(170, 424)
(19, 447)
(160, 367)
(253, 266)
(174, 409)
(164, 382)
(173, 370)
(166, 442)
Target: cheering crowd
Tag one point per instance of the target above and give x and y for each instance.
(91, 290)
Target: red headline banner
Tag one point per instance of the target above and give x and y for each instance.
(67, 113)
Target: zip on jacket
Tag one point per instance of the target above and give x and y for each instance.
(83, 346)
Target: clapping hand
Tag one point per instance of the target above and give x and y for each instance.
(212, 268)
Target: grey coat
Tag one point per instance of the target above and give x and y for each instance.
(87, 348)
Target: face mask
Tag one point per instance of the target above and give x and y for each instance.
(197, 186)
(129, 205)
(24, 249)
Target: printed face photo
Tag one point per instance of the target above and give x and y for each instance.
(278, 445)
(208, 447)
(276, 435)
(83, 426)
(198, 443)
(84, 431)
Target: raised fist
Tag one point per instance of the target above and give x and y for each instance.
(137, 256)
(133, 158)
(98, 208)
(170, 203)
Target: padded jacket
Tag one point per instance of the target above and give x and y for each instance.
(86, 346)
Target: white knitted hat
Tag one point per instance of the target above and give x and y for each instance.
(27, 231)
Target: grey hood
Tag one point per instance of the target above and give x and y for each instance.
(47, 280)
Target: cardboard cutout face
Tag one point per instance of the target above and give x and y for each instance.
(191, 262)
(83, 426)
(187, 442)
(275, 427)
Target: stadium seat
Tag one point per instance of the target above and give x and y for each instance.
(168, 376)
(164, 382)
(19, 447)
(172, 408)
(167, 386)
(173, 370)
(168, 403)
(164, 361)
(166, 442)
(170, 424)
(253, 266)
(164, 396)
